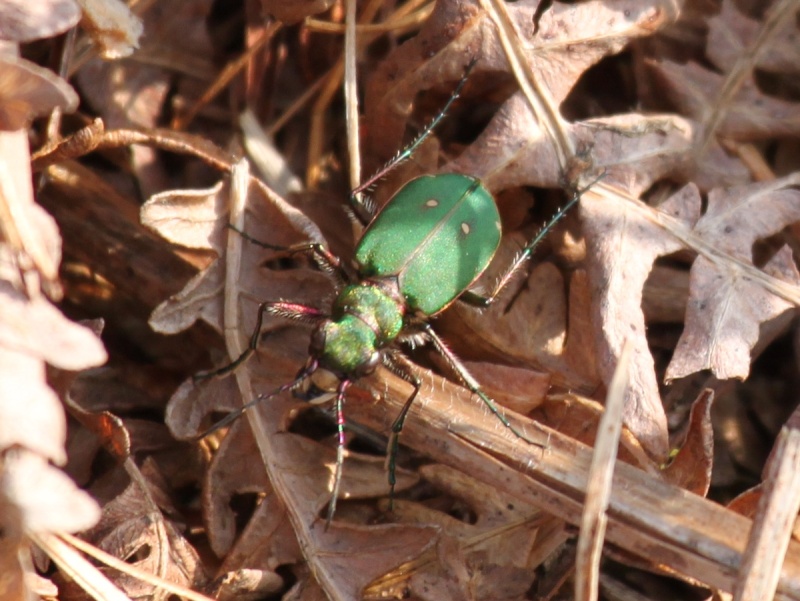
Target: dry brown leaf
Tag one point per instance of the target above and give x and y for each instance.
(23, 21)
(112, 26)
(622, 244)
(39, 330)
(746, 503)
(32, 242)
(176, 43)
(517, 388)
(731, 31)
(568, 40)
(751, 114)
(28, 91)
(267, 542)
(197, 219)
(508, 539)
(691, 467)
(728, 304)
(578, 417)
(37, 497)
(527, 325)
(345, 557)
(133, 527)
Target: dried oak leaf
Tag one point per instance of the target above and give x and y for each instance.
(526, 328)
(622, 241)
(33, 332)
(197, 219)
(134, 528)
(114, 29)
(269, 541)
(36, 497)
(730, 33)
(633, 150)
(24, 21)
(28, 91)
(751, 115)
(346, 557)
(691, 468)
(729, 298)
(173, 60)
(508, 539)
(31, 254)
(568, 40)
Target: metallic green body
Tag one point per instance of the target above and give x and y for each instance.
(435, 236)
(364, 319)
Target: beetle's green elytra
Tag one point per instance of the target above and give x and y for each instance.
(436, 235)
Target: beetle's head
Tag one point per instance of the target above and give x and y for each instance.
(345, 347)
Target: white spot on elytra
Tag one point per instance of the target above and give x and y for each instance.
(465, 227)
(432, 203)
(497, 223)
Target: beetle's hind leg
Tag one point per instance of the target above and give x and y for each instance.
(470, 382)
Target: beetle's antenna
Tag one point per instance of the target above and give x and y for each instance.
(310, 368)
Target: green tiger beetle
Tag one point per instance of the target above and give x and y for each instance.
(419, 253)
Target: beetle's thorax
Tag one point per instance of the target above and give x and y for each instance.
(364, 320)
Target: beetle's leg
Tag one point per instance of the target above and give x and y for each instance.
(365, 211)
(293, 311)
(398, 364)
(327, 261)
(470, 382)
(309, 368)
(474, 298)
(337, 472)
(479, 300)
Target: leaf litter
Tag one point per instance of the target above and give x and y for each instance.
(691, 186)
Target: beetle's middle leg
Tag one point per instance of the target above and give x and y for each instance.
(400, 365)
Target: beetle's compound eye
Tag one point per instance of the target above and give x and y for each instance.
(370, 364)
(317, 344)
